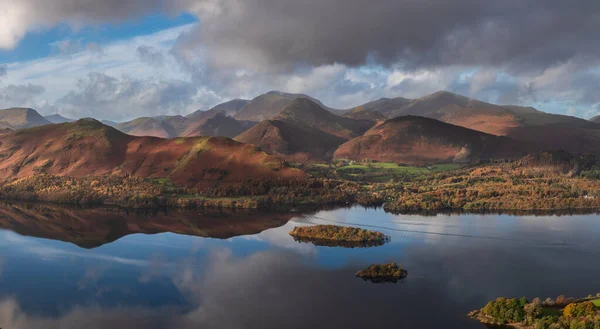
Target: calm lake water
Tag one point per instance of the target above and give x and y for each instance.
(105, 268)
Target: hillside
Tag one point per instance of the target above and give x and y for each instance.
(304, 131)
(57, 118)
(560, 137)
(211, 123)
(549, 131)
(163, 127)
(361, 113)
(292, 141)
(308, 112)
(18, 118)
(419, 140)
(267, 106)
(561, 162)
(385, 106)
(88, 147)
(455, 109)
(109, 123)
(199, 123)
(595, 119)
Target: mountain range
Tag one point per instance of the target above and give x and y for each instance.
(441, 127)
(87, 147)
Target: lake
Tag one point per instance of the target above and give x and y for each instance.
(109, 268)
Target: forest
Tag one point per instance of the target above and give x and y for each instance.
(541, 182)
(562, 313)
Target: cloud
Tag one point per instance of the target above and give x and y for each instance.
(125, 97)
(20, 95)
(286, 34)
(3, 71)
(343, 52)
(19, 17)
(269, 289)
(150, 55)
(416, 34)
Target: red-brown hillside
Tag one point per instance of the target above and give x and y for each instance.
(267, 106)
(292, 141)
(308, 112)
(199, 123)
(87, 147)
(304, 131)
(452, 108)
(419, 140)
(363, 113)
(212, 123)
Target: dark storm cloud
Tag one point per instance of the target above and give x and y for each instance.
(281, 33)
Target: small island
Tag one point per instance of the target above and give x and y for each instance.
(562, 313)
(338, 236)
(377, 273)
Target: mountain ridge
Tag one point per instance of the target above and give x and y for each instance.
(419, 140)
(88, 146)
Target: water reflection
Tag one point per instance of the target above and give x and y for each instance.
(94, 227)
(340, 244)
(268, 280)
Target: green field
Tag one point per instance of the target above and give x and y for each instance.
(394, 168)
(376, 171)
(596, 302)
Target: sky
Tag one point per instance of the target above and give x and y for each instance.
(122, 59)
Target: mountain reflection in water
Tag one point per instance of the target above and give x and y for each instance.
(93, 227)
(251, 274)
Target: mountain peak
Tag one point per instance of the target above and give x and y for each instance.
(57, 118)
(22, 117)
(445, 95)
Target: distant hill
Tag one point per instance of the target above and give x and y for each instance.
(163, 127)
(419, 140)
(212, 123)
(361, 113)
(18, 118)
(595, 119)
(57, 118)
(267, 106)
(292, 141)
(88, 147)
(309, 112)
(451, 108)
(528, 124)
(386, 106)
(555, 131)
(109, 123)
(304, 131)
(230, 108)
(200, 123)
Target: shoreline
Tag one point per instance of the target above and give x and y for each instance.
(322, 206)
